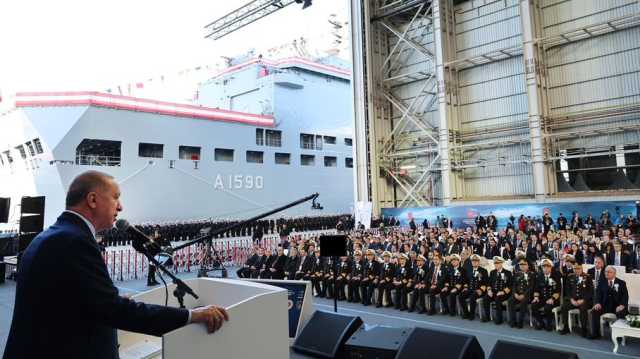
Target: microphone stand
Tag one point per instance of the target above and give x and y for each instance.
(181, 287)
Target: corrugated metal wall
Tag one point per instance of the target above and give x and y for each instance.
(492, 97)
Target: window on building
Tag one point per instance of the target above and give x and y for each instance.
(29, 145)
(319, 142)
(259, 136)
(189, 153)
(151, 150)
(330, 140)
(348, 141)
(307, 160)
(255, 157)
(93, 152)
(307, 141)
(224, 155)
(283, 158)
(348, 162)
(23, 153)
(273, 138)
(7, 154)
(330, 161)
(38, 145)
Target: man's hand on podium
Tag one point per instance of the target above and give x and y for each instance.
(211, 315)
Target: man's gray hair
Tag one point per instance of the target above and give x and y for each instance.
(611, 267)
(84, 184)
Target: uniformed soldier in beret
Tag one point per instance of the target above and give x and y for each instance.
(344, 270)
(546, 295)
(500, 282)
(457, 283)
(400, 281)
(579, 294)
(437, 284)
(522, 293)
(385, 283)
(477, 280)
(355, 277)
(370, 275)
(419, 286)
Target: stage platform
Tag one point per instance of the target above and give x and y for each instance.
(487, 333)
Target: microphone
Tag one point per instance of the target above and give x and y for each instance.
(140, 242)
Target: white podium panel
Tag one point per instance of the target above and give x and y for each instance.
(257, 326)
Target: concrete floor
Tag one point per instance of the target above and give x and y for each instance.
(486, 333)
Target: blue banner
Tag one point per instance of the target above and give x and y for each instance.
(463, 216)
(295, 293)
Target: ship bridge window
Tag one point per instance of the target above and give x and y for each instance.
(91, 152)
(307, 160)
(223, 155)
(330, 140)
(348, 141)
(348, 162)
(283, 158)
(259, 136)
(8, 155)
(274, 138)
(318, 142)
(189, 153)
(255, 156)
(29, 145)
(306, 141)
(330, 161)
(151, 150)
(38, 145)
(23, 153)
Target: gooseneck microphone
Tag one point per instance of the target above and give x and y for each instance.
(140, 241)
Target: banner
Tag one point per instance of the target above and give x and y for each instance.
(363, 213)
(464, 216)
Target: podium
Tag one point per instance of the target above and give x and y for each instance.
(257, 326)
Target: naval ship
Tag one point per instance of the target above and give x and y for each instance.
(261, 134)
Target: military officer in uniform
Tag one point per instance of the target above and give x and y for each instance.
(370, 274)
(500, 282)
(400, 281)
(419, 286)
(327, 278)
(317, 274)
(579, 294)
(476, 288)
(546, 295)
(457, 283)
(438, 284)
(355, 277)
(385, 283)
(344, 270)
(522, 293)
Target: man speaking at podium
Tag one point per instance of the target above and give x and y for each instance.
(66, 305)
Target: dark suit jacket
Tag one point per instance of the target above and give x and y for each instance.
(66, 305)
(611, 298)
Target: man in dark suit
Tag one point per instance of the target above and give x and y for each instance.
(63, 267)
(596, 273)
(611, 297)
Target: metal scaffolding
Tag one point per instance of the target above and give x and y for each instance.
(419, 147)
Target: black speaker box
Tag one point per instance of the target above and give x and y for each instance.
(31, 223)
(333, 246)
(32, 205)
(5, 207)
(444, 345)
(25, 239)
(510, 350)
(325, 334)
(377, 342)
